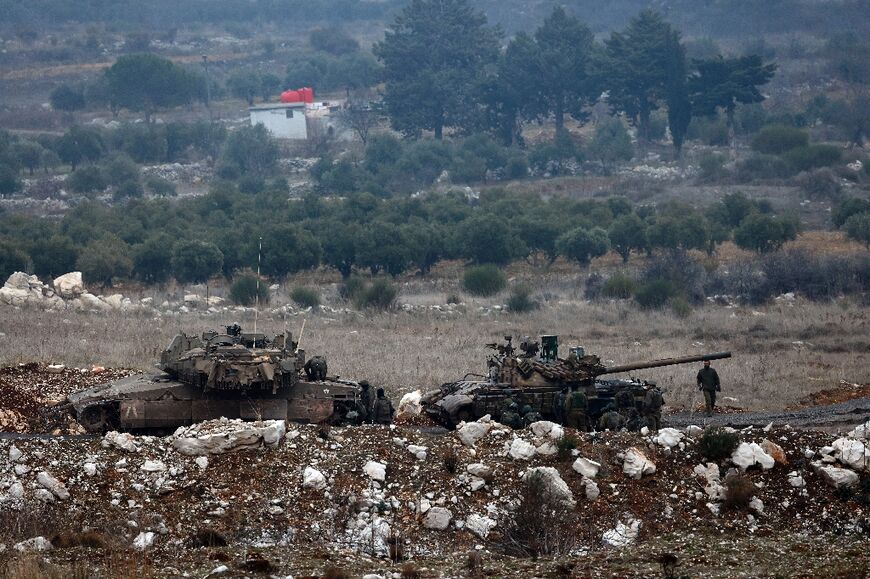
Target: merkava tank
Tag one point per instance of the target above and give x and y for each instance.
(232, 375)
(534, 375)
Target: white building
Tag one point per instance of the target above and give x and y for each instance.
(284, 120)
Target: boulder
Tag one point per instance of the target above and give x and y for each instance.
(202, 462)
(774, 450)
(749, 454)
(375, 470)
(14, 453)
(479, 525)
(14, 297)
(592, 490)
(796, 480)
(470, 432)
(636, 464)
(693, 431)
(668, 437)
(479, 470)
(114, 301)
(19, 281)
(551, 480)
(53, 485)
(69, 285)
(410, 405)
(862, 432)
(521, 450)
(15, 492)
(419, 452)
(34, 544)
(838, 477)
(853, 453)
(437, 518)
(545, 428)
(91, 302)
(586, 467)
(313, 479)
(89, 468)
(143, 540)
(220, 436)
(623, 534)
(153, 466)
(121, 440)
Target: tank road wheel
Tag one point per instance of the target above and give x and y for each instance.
(464, 414)
(100, 418)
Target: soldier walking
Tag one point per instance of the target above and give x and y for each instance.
(365, 402)
(652, 408)
(708, 382)
(383, 411)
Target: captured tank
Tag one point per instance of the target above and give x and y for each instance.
(233, 375)
(535, 378)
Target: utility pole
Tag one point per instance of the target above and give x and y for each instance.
(207, 86)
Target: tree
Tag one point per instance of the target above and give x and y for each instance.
(53, 256)
(847, 208)
(288, 249)
(557, 68)
(677, 96)
(434, 53)
(489, 239)
(610, 144)
(674, 231)
(269, 85)
(627, 232)
(80, 144)
(12, 258)
(9, 183)
(764, 233)
(858, 228)
(581, 244)
(244, 84)
(147, 82)
(195, 261)
(66, 98)
(384, 246)
(636, 66)
(252, 150)
(360, 115)
(152, 260)
(340, 243)
(723, 83)
(29, 154)
(104, 259)
(333, 40)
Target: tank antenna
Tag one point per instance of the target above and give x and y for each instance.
(257, 299)
(299, 341)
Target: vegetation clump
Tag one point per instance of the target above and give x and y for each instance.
(484, 280)
(246, 288)
(718, 444)
(305, 297)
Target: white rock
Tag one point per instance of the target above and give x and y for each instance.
(521, 450)
(547, 448)
(668, 437)
(14, 453)
(18, 280)
(796, 480)
(586, 467)
(838, 477)
(376, 470)
(552, 482)
(15, 492)
(418, 451)
(410, 405)
(143, 540)
(21, 469)
(227, 436)
(862, 432)
(636, 464)
(313, 478)
(644, 430)
(425, 505)
(852, 453)
(437, 518)
(748, 454)
(476, 484)
(480, 525)
(55, 368)
(34, 544)
(592, 490)
(623, 534)
(756, 505)
(479, 470)
(153, 466)
(69, 285)
(219, 570)
(470, 432)
(122, 440)
(89, 468)
(53, 485)
(44, 495)
(202, 462)
(546, 428)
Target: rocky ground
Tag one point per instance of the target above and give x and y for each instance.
(276, 499)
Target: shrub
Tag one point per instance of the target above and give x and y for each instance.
(619, 286)
(820, 184)
(718, 444)
(160, 187)
(680, 306)
(352, 287)
(654, 293)
(484, 280)
(581, 245)
(564, 446)
(87, 180)
(517, 167)
(739, 490)
(847, 208)
(305, 297)
(812, 156)
(129, 190)
(119, 168)
(710, 131)
(762, 167)
(858, 228)
(765, 233)
(245, 289)
(778, 139)
(712, 167)
(450, 460)
(520, 300)
(454, 299)
(380, 295)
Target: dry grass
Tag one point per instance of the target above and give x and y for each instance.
(781, 353)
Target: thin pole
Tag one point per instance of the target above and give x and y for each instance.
(257, 302)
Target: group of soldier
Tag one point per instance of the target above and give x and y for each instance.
(377, 409)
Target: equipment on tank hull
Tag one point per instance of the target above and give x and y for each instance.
(231, 375)
(539, 379)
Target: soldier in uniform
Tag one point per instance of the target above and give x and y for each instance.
(530, 415)
(510, 414)
(652, 408)
(708, 382)
(560, 401)
(628, 410)
(365, 401)
(611, 420)
(576, 407)
(315, 368)
(383, 410)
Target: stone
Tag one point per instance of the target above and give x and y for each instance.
(586, 467)
(479, 525)
(221, 436)
(14, 453)
(592, 490)
(35, 544)
(852, 453)
(410, 405)
(756, 505)
(52, 485)
(438, 518)
(545, 428)
(668, 437)
(15, 491)
(547, 448)
(551, 480)
(636, 464)
(313, 479)
(114, 301)
(55, 368)
(749, 454)
(153, 466)
(18, 281)
(838, 477)
(861, 432)
(521, 450)
(143, 540)
(796, 480)
(623, 534)
(69, 285)
(202, 462)
(479, 470)
(419, 452)
(89, 468)
(21, 469)
(121, 440)
(470, 432)
(693, 431)
(375, 470)
(774, 450)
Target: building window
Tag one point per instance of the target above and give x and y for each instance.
(289, 113)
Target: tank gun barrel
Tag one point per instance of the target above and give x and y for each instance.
(665, 362)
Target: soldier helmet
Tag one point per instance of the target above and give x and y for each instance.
(364, 383)
(380, 392)
(526, 409)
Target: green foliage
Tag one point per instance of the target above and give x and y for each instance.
(120, 168)
(288, 249)
(709, 130)
(104, 259)
(9, 182)
(627, 232)
(12, 259)
(849, 207)
(352, 287)
(53, 256)
(196, 261)
(332, 40)
(812, 157)
(733, 208)
(152, 259)
(678, 228)
(244, 84)
(723, 83)
(681, 307)
(610, 144)
(128, 190)
(79, 145)
(655, 293)
(305, 297)
(554, 157)
(712, 168)
(765, 233)
(28, 154)
(762, 167)
(858, 228)
(779, 139)
(379, 295)
(147, 82)
(820, 184)
(718, 444)
(251, 150)
(87, 180)
(520, 300)
(160, 187)
(66, 98)
(489, 239)
(619, 286)
(581, 244)
(245, 291)
(484, 280)
(564, 446)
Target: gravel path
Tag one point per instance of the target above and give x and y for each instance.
(848, 413)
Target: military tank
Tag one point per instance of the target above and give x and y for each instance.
(213, 375)
(534, 375)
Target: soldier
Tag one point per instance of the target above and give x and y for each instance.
(315, 368)
(559, 405)
(611, 419)
(510, 414)
(383, 411)
(628, 410)
(530, 415)
(652, 408)
(576, 407)
(365, 401)
(708, 382)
